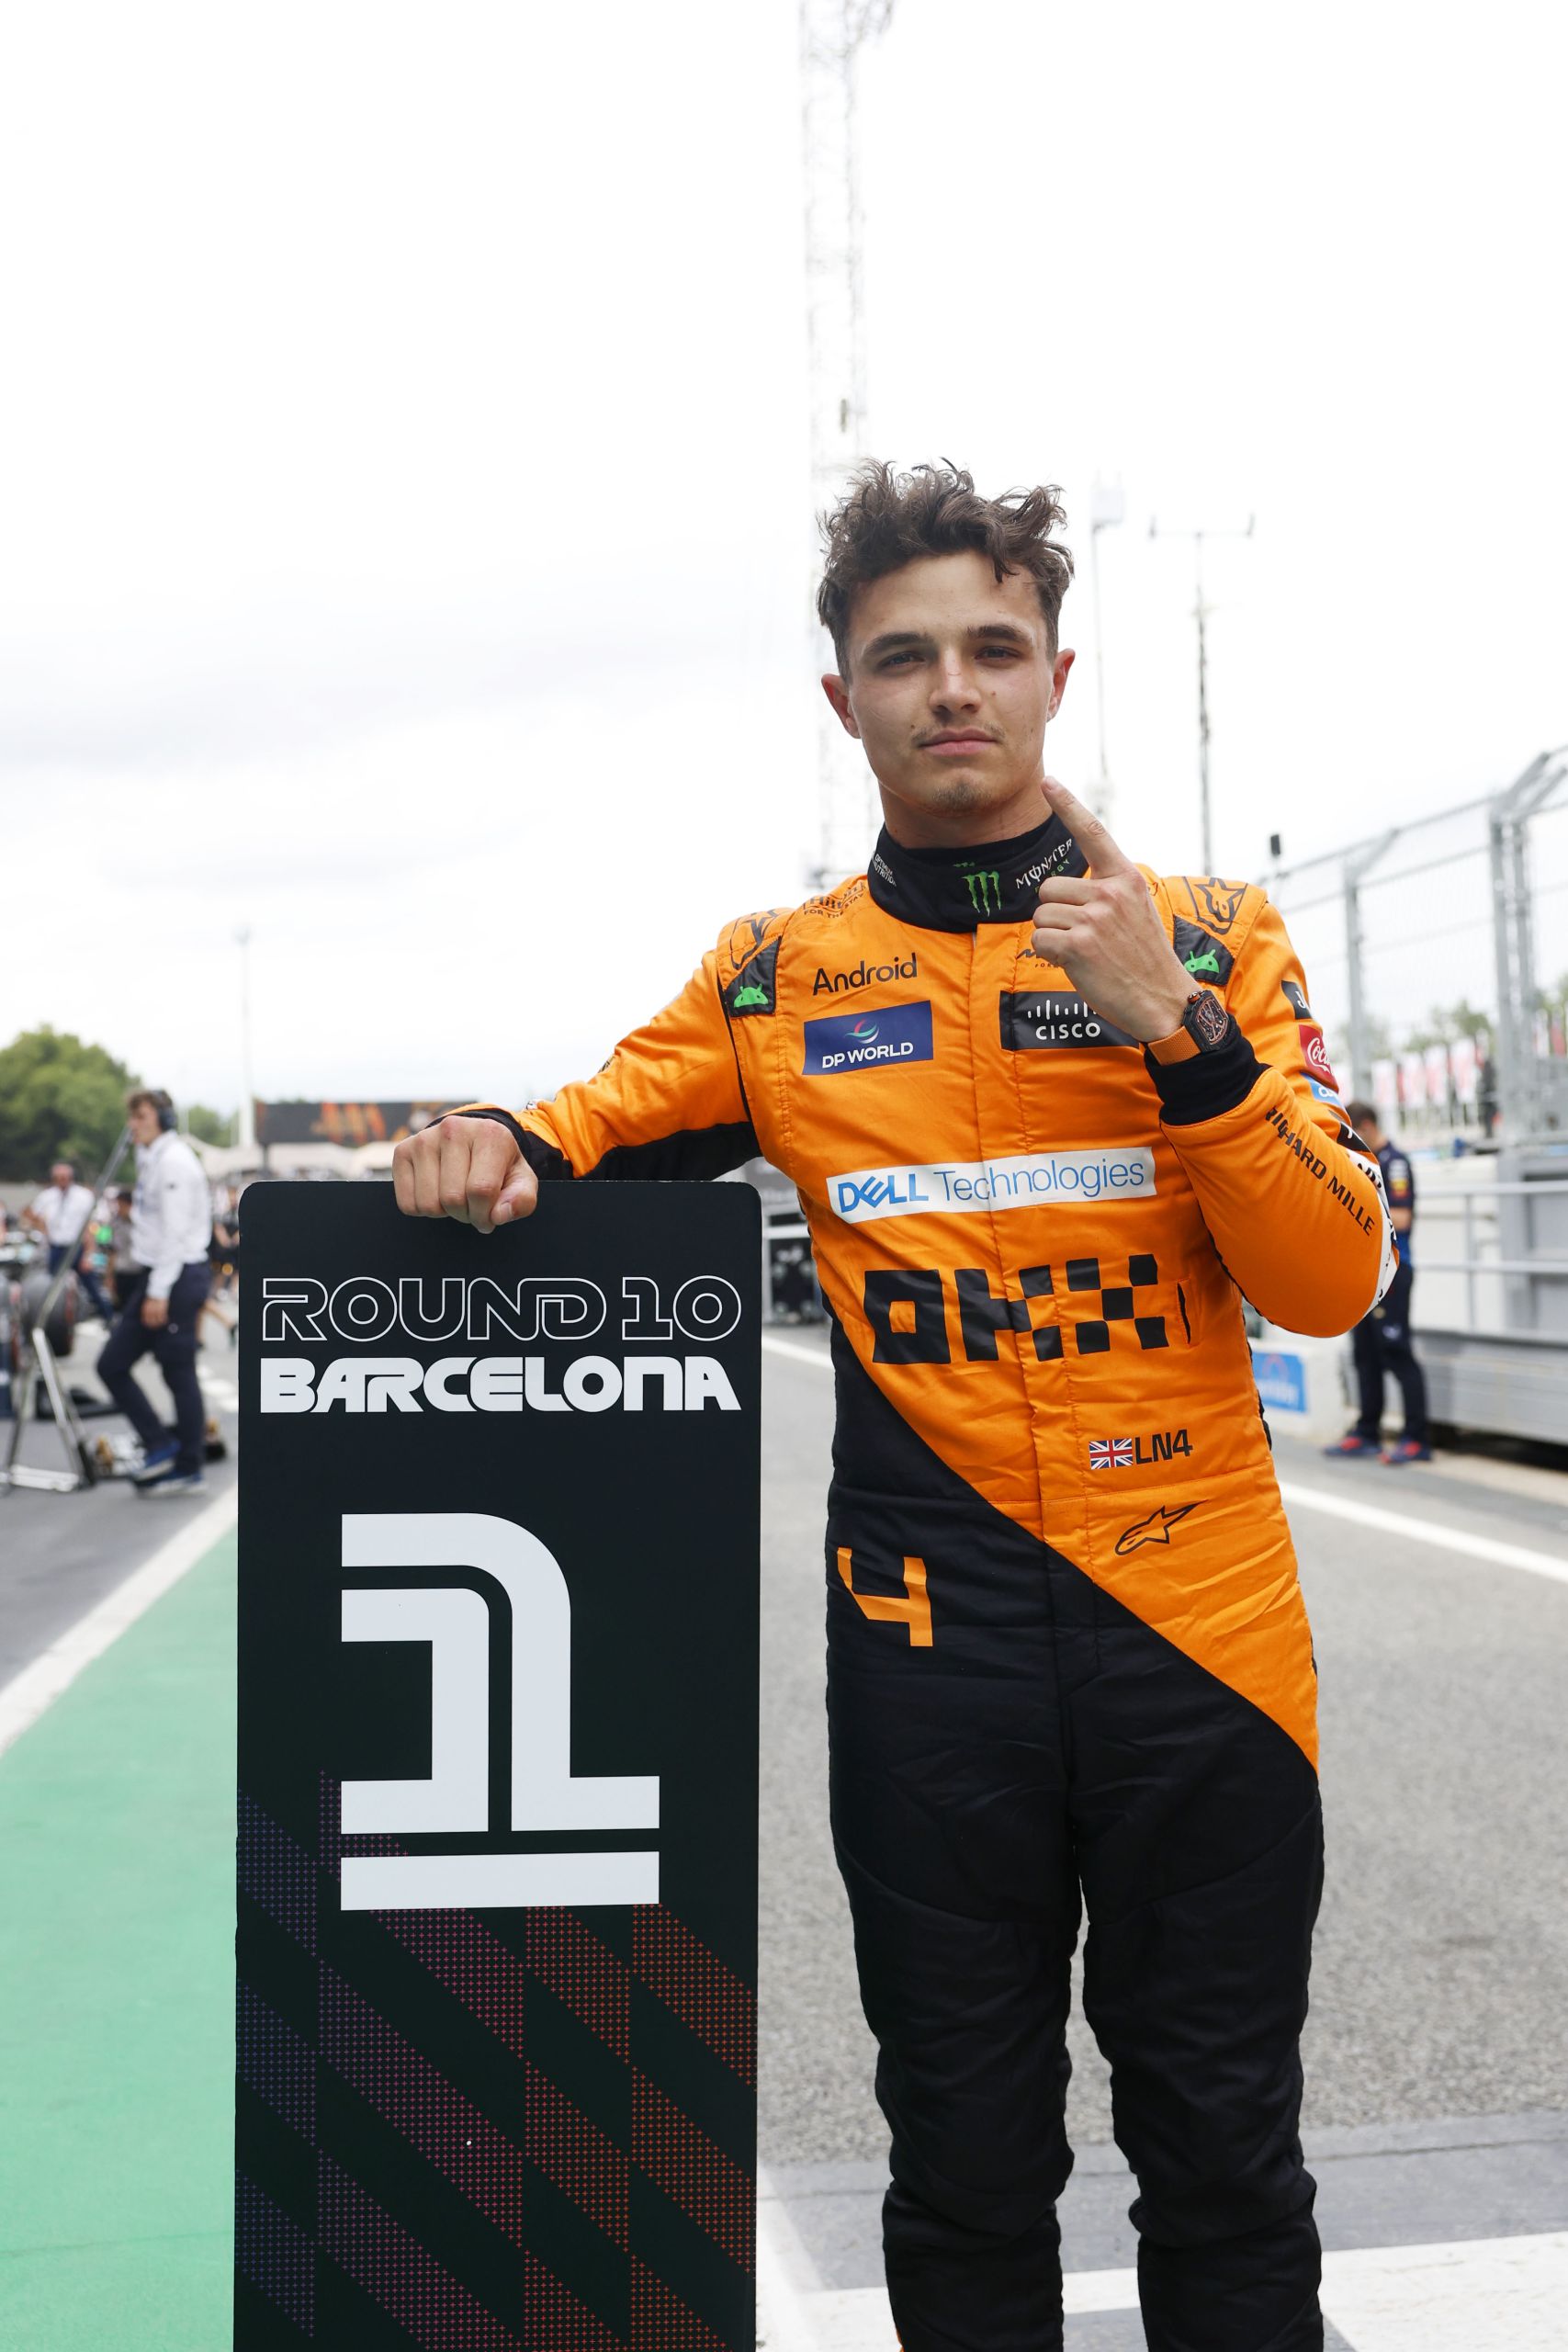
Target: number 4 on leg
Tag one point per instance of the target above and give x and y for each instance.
(914, 1610)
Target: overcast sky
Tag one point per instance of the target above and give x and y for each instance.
(404, 510)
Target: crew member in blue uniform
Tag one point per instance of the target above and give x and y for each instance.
(1382, 1339)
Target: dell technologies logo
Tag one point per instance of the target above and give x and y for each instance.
(488, 1579)
(1025, 1179)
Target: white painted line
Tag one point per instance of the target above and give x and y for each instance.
(1361, 1514)
(1480, 2295)
(782, 2321)
(1098, 2291)
(30, 1693)
(1427, 1531)
(856, 2319)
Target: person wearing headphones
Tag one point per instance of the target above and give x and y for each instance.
(161, 1292)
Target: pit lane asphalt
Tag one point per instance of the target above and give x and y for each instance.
(1440, 1977)
(61, 1553)
(1440, 1981)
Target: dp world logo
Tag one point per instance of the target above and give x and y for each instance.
(493, 1581)
(896, 1033)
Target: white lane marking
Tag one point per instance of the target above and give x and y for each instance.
(1361, 1514)
(1480, 2295)
(32, 1692)
(782, 2321)
(1426, 1530)
(858, 2319)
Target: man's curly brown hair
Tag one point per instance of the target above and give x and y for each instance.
(886, 519)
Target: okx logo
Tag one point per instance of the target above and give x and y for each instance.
(459, 1620)
(898, 1032)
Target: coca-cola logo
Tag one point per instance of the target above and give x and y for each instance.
(1316, 1053)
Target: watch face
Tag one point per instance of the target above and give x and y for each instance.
(1207, 1020)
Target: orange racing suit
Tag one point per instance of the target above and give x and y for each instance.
(1067, 1647)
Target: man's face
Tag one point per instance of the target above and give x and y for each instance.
(143, 1123)
(950, 685)
(60, 1175)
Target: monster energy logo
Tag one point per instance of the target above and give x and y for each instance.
(985, 890)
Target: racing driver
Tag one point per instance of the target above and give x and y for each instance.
(1051, 1117)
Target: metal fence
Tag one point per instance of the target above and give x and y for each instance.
(1437, 957)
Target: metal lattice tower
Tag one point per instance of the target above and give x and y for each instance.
(832, 33)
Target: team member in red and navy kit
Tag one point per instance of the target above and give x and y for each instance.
(1382, 1339)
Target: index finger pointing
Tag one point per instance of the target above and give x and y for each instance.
(1086, 829)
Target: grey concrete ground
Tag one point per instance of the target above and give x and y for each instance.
(1437, 2052)
(58, 1553)
(1437, 2047)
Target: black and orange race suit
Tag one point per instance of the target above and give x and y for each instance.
(1067, 1647)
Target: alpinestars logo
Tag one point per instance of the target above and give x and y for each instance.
(499, 1582)
(1156, 1529)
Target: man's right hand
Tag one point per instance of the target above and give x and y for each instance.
(469, 1168)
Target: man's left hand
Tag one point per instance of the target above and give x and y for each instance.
(1103, 931)
(155, 1313)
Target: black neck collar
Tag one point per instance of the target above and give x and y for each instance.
(944, 890)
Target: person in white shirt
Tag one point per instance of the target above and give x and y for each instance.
(171, 1229)
(59, 1213)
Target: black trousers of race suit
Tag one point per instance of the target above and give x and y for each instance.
(172, 1345)
(1382, 1345)
(1048, 1749)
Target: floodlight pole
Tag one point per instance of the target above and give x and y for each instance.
(1201, 612)
(1106, 508)
(832, 35)
(245, 1125)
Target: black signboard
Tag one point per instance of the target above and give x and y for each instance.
(498, 1774)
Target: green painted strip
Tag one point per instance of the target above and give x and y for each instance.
(117, 1857)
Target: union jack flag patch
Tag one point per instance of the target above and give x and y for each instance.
(1111, 1454)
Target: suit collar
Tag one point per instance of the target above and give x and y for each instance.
(941, 890)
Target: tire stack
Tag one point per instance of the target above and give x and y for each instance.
(61, 1328)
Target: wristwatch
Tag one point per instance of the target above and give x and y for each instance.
(1205, 1027)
